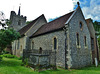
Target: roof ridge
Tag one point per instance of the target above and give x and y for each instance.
(36, 22)
(28, 26)
(62, 16)
(53, 25)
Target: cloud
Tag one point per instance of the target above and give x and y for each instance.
(75, 2)
(92, 10)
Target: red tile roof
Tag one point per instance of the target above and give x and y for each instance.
(27, 27)
(53, 25)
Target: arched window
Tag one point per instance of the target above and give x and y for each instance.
(32, 45)
(81, 25)
(21, 47)
(40, 50)
(19, 22)
(77, 39)
(55, 43)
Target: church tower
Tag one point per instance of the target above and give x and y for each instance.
(17, 20)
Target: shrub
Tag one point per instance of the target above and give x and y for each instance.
(9, 56)
(5, 52)
(1, 57)
(20, 58)
(25, 62)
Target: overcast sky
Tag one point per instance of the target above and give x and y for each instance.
(50, 8)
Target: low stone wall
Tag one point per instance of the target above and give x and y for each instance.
(39, 59)
(46, 58)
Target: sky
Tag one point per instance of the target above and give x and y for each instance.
(50, 8)
(90, 8)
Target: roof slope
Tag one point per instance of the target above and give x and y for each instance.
(90, 27)
(53, 25)
(27, 27)
(88, 21)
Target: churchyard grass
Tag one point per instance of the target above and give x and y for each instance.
(13, 66)
(86, 70)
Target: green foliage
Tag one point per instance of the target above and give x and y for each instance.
(8, 22)
(9, 56)
(99, 41)
(5, 52)
(28, 22)
(1, 57)
(6, 37)
(20, 58)
(25, 62)
(96, 26)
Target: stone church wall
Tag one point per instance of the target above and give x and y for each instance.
(18, 46)
(80, 54)
(46, 42)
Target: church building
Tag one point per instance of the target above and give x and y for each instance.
(65, 42)
(18, 23)
(69, 36)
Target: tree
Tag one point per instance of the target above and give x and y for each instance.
(96, 26)
(99, 41)
(6, 37)
(2, 19)
(28, 22)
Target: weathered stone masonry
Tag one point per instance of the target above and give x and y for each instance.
(80, 56)
(46, 43)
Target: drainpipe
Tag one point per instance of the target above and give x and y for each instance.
(65, 30)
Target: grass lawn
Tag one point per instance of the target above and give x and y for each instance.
(13, 66)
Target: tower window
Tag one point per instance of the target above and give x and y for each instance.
(77, 39)
(19, 22)
(55, 43)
